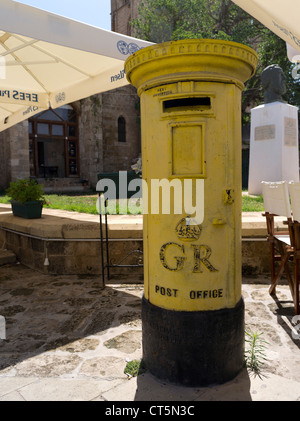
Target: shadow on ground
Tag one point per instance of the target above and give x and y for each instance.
(287, 319)
(69, 339)
(44, 312)
(148, 388)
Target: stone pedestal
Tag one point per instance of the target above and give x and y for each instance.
(274, 151)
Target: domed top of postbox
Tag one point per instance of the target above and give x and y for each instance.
(193, 59)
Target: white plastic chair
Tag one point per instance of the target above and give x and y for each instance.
(276, 203)
(295, 199)
(276, 198)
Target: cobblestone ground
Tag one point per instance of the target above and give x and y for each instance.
(68, 328)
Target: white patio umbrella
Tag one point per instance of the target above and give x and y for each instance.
(48, 60)
(281, 17)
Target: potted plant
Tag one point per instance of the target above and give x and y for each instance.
(26, 198)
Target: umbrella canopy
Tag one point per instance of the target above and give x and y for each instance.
(281, 17)
(48, 60)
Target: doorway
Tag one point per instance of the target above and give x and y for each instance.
(53, 141)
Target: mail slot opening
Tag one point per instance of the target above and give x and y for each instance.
(193, 103)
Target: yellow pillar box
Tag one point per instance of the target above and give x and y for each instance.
(193, 311)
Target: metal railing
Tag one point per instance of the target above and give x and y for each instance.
(105, 248)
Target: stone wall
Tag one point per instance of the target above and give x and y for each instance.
(100, 150)
(122, 12)
(71, 242)
(19, 144)
(84, 257)
(14, 152)
(4, 159)
(91, 139)
(123, 102)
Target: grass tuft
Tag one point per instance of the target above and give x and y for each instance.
(255, 352)
(134, 368)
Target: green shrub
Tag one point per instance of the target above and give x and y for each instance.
(25, 190)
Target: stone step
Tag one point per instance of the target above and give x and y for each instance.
(7, 257)
(61, 185)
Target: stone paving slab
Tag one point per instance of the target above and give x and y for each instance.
(62, 390)
(242, 388)
(69, 339)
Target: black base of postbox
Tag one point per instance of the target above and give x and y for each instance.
(193, 348)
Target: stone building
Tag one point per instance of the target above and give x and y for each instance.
(66, 148)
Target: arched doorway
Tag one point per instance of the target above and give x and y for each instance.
(53, 143)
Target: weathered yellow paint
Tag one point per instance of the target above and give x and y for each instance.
(191, 129)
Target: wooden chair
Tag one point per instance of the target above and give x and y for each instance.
(276, 203)
(294, 227)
